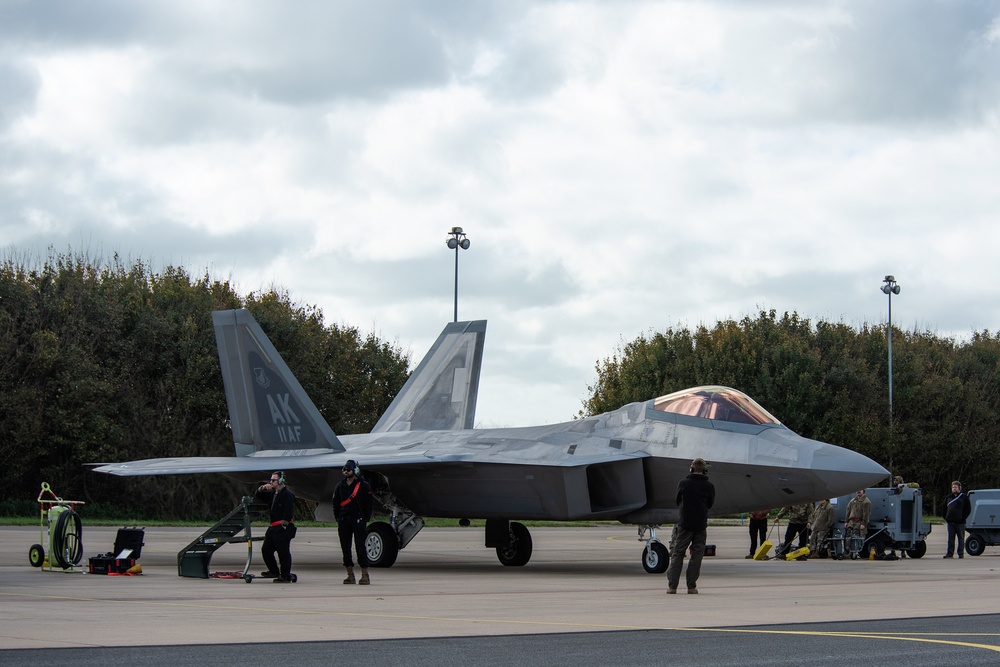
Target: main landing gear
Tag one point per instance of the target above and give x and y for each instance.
(385, 539)
(656, 556)
(511, 539)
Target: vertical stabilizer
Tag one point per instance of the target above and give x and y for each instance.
(441, 393)
(268, 408)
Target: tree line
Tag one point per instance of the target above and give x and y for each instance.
(105, 361)
(829, 381)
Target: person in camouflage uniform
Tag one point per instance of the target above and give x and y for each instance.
(859, 511)
(799, 518)
(822, 524)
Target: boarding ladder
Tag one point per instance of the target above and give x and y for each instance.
(193, 560)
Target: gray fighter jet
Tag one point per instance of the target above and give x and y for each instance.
(424, 459)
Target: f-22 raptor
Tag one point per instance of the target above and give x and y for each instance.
(425, 459)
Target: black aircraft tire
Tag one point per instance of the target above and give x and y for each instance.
(67, 545)
(918, 550)
(36, 555)
(975, 545)
(381, 545)
(655, 558)
(519, 551)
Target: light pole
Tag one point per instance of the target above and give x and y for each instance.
(457, 241)
(890, 287)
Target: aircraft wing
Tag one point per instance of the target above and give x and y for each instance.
(241, 464)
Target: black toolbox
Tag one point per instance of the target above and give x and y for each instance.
(128, 548)
(105, 564)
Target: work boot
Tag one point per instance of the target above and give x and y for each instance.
(267, 574)
(364, 577)
(693, 590)
(350, 576)
(671, 591)
(282, 580)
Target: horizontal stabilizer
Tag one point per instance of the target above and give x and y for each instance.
(268, 408)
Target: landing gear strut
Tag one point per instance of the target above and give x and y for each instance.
(385, 539)
(656, 556)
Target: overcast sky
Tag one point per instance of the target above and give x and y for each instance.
(619, 167)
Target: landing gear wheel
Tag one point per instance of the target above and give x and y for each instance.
(918, 550)
(381, 545)
(248, 578)
(36, 555)
(295, 578)
(655, 558)
(975, 545)
(519, 551)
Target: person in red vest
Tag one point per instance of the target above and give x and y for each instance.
(352, 507)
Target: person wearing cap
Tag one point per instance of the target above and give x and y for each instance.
(352, 508)
(695, 496)
(278, 538)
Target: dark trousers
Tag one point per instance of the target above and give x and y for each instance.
(956, 530)
(278, 540)
(356, 530)
(794, 529)
(679, 544)
(758, 531)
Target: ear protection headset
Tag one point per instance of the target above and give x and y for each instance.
(353, 465)
(281, 478)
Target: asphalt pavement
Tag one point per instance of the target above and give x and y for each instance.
(583, 599)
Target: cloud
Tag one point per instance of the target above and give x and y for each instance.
(619, 167)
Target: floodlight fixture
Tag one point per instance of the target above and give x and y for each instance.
(457, 240)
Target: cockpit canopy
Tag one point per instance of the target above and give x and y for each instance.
(717, 403)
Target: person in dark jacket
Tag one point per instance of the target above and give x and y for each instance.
(352, 507)
(956, 510)
(758, 530)
(695, 496)
(278, 538)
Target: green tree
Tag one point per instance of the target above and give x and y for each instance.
(108, 361)
(828, 381)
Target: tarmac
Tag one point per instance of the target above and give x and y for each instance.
(446, 584)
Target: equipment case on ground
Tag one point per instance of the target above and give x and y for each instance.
(127, 539)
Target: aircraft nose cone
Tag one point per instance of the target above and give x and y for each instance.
(844, 470)
(835, 470)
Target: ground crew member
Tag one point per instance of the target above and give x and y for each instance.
(822, 524)
(859, 511)
(758, 530)
(278, 538)
(695, 496)
(799, 517)
(352, 507)
(956, 510)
